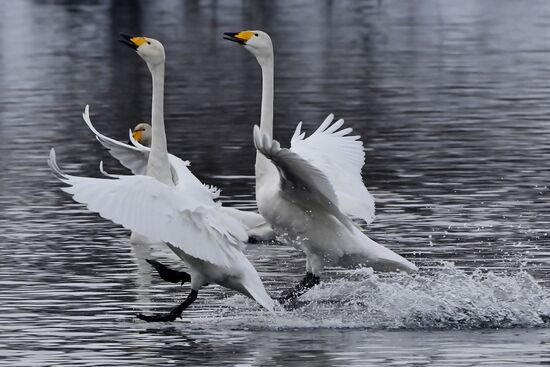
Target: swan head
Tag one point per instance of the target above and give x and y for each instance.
(258, 43)
(142, 134)
(148, 49)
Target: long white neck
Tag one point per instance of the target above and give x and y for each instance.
(266, 118)
(265, 170)
(158, 165)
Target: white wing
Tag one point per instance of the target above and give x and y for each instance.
(340, 157)
(160, 212)
(302, 181)
(132, 157)
(135, 159)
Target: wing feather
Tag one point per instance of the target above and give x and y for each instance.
(132, 157)
(135, 159)
(160, 212)
(340, 157)
(302, 180)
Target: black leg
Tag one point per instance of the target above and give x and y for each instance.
(291, 294)
(172, 276)
(175, 313)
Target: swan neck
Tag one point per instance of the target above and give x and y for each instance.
(265, 170)
(157, 114)
(266, 118)
(158, 165)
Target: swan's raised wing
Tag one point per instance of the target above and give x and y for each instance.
(132, 157)
(340, 157)
(160, 212)
(135, 158)
(305, 183)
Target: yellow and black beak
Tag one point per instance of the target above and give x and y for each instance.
(137, 135)
(240, 37)
(130, 41)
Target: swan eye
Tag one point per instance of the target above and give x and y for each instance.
(148, 42)
(256, 34)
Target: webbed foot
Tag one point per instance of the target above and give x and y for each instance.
(157, 317)
(172, 315)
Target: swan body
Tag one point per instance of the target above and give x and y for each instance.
(309, 193)
(163, 207)
(301, 204)
(208, 240)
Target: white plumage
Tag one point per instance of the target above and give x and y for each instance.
(162, 212)
(310, 192)
(306, 209)
(132, 157)
(340, 157)
(193, 225)
(300, 181)
(169, 204)
(135, 157)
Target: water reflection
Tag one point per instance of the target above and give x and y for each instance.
(449, 97)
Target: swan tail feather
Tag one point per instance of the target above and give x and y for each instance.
(255, 288)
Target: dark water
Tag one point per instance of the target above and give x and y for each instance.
(451, 98)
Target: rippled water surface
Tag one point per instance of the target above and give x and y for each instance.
(451, 98)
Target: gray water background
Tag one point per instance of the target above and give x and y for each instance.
(452, 101)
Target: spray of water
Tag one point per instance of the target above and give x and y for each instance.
(448, 298)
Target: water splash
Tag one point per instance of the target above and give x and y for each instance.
(449, 298)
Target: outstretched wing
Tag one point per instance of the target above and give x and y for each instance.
(135, 157)
(132, 157)
(160, 212)
(340, 157)
(299, 178)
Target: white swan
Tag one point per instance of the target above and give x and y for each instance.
(185, 216)
(135, 158)
(309, 192)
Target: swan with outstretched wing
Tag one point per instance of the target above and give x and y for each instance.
(207, 239)
(310, 192)
(169, 204)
